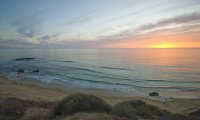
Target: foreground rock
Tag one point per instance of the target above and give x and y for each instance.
(20, 59)
(153, 94)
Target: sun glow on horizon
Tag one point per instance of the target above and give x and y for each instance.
(164, 45)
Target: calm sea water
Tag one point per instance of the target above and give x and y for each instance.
(172, 72)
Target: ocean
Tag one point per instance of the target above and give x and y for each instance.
(171, 72)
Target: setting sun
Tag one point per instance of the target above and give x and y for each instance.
(164, 45)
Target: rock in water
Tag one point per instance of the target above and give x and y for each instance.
(153, 94)
(19, 59)
(20, 71)
(35, 71)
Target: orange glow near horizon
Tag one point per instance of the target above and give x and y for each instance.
(164, 45)
(173, 41)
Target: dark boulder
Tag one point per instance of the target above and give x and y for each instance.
(153, 94)
(35, 71)
(20, 71)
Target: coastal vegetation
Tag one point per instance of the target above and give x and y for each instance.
(80, 103)
(85, 107)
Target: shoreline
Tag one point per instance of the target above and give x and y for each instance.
(34, 91)
(164, 93)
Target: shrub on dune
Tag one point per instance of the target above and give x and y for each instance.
(131, 109)
(146, 111)
(13, 108)
(80, 103)
(127, 109)
(93, 116)
(195, 113)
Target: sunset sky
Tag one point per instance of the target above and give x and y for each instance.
(99, 24)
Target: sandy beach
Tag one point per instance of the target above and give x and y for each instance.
(10, 89)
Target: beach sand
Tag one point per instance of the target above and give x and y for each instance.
(10, 88)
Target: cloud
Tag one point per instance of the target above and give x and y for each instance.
(28, 26)
(45, 37)
(26, 32)
(183, 23)
(77, 20)
(48, 38)
(141, 10)
(181, 19)
(16, 41)
(25, 29)
(92, 14)
(189, 23)
(70, 44)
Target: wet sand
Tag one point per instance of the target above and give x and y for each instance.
(34, 91)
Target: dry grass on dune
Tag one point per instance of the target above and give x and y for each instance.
(94, 116)
(85, 107)
(14, 109)
(132, 109)
(80, 103)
